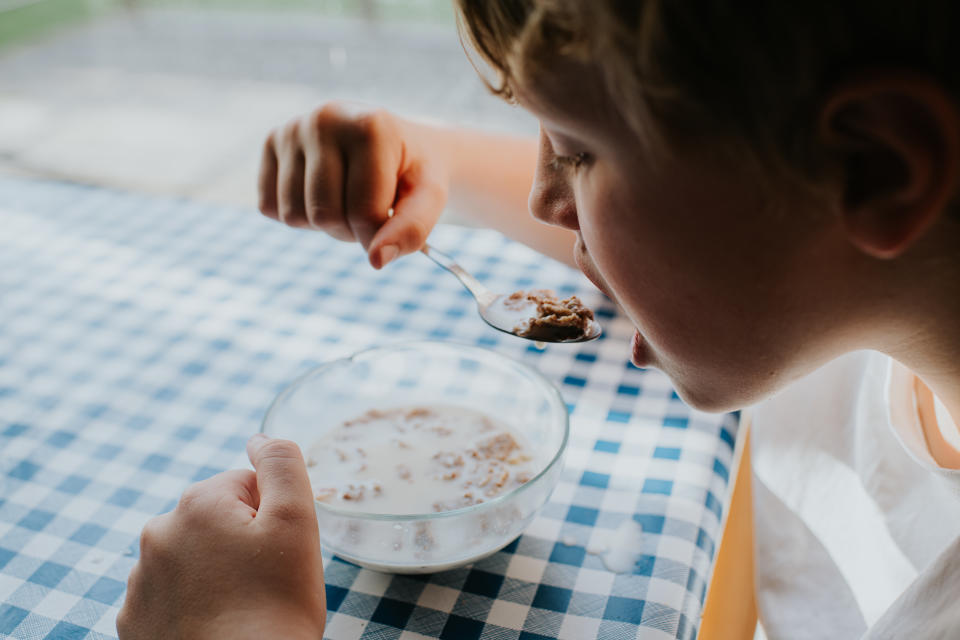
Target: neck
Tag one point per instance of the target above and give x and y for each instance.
(932, 352)
(912, 311)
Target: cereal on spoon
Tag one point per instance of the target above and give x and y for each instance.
(554, 320)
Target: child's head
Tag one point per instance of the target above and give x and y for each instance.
(755, 185)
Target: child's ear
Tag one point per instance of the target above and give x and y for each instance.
(897, 139)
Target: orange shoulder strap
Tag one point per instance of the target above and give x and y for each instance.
(730, 610)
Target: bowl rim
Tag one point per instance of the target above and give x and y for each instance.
(553, 395)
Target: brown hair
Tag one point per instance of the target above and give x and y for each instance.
(752, 74)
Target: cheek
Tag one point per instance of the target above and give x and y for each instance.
(713, 286)
(678, 276)
(636, 250)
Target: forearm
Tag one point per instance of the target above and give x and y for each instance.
(490, 179)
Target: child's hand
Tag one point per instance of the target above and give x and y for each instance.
(342, 170)
(239, 557)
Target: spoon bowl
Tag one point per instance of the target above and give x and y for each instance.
(497, 312)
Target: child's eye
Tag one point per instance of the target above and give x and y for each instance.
(573, 162)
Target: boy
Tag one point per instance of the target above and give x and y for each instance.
(762, 190)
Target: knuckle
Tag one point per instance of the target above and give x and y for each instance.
(308, 132)
(280, 450)
(269, 143)
(371, 125)
(382, 119)
(290, 131)
(190, 495)
(288, 512)
(192, 498)
(152, 538)
(328, 115)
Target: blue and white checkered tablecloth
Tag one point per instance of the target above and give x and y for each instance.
(142, 338)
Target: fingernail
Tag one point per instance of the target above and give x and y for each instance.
(258, 437)
(388, 253)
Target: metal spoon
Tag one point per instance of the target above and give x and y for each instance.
(491, 305)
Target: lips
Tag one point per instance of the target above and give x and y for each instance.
(639, 353)
(582, 257)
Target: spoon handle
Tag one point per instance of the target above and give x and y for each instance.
(480, 292)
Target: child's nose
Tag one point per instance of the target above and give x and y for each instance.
(552, 201)
(551, 198)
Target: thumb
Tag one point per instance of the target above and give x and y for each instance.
(415, 214)
(281, 478)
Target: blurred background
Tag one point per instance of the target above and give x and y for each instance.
(175, 97)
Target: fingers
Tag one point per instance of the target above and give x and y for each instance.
(290, 197)
(267, 181)
(282, 479)
(415, 214)
(373, 165)
(323, 197)
(342, 170)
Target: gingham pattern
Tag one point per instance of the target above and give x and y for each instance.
(142, 338)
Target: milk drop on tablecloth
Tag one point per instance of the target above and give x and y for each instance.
(621, 549)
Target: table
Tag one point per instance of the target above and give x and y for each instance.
(142, 338)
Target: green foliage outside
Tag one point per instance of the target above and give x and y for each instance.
(24, 20)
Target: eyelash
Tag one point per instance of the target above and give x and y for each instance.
(569, 162)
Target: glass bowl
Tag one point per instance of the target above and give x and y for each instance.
(428, 373)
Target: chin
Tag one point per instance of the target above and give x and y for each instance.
(713, 399)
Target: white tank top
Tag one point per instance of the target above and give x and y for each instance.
(857, 527)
